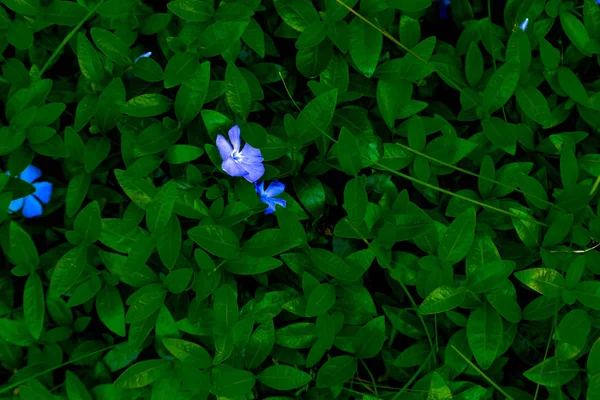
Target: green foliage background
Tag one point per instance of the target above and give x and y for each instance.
(442, 209)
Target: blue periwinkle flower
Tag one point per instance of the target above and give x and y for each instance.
(444, 9)
(246, 163)
(268, 196)
(524, 24)
(145, 55)
(31, 206)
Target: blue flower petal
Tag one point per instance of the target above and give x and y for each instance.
(43, 191)
(233, 168)
(224, 147)
(255, 170)
(234, 136)
(16, 205)
(271, 208)
(32, 207)
(30, 174)
(275, 188)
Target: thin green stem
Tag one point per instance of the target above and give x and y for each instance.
(457, 83)
(493, 49)
(14, 385)
(371, 376)
(405, 289)
(288, 91)
(458, 196)
(413, 378)
(465, 171)
(484, 376)
(554, 321)
(68, 37)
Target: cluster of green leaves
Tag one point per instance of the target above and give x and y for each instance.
(442, 216)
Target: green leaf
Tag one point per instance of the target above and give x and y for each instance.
(237, 92)
(147, 105)
(588, 293)
(25, 7)
(474, 64)
(112, 46)
(320, 300)
(22, 249)
(534, 192)
(355, 200)
(501, 86)
(392, 95)
(108, 109)
(529, 232)
(191, 10)
(111, 312)
(88, 223)
(225, 306)
(534, 105)
(68, 270)
(140, 191)
(365, 46)
(458, 239)
(145, 302)
(369, 339)
(168, 242)
(180, 68)
(484, 333)
(117, 9)
(75, 388)
(143, 374)
(575, 31)
(442, 299)
(501, 134)
(234, 382)
(96, 151)
(349, 153)
(147, 69)
(573, 328)
(283, 377)
(546, 281)
(192, 94)
(34, 307)
(89, 59)
(154, 139)
(260, 344)
(191, 353)
(296, 13)
(490, 275)
(160, 209)
(506, 305)
(336, 371)
(411, 5)
(314, 34)
(314, 119)
(552, 373)
(217, 240)
(569, 167)
(311, 193)
(218, 37)
(593, 361)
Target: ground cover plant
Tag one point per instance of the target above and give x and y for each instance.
(294, 199)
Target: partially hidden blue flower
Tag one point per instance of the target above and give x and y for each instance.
(444, 9)
(145, 55)
(524, 24)
(246, 163)
(31, 206)
(268, 196)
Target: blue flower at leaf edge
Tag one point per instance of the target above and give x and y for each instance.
(31, 206)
